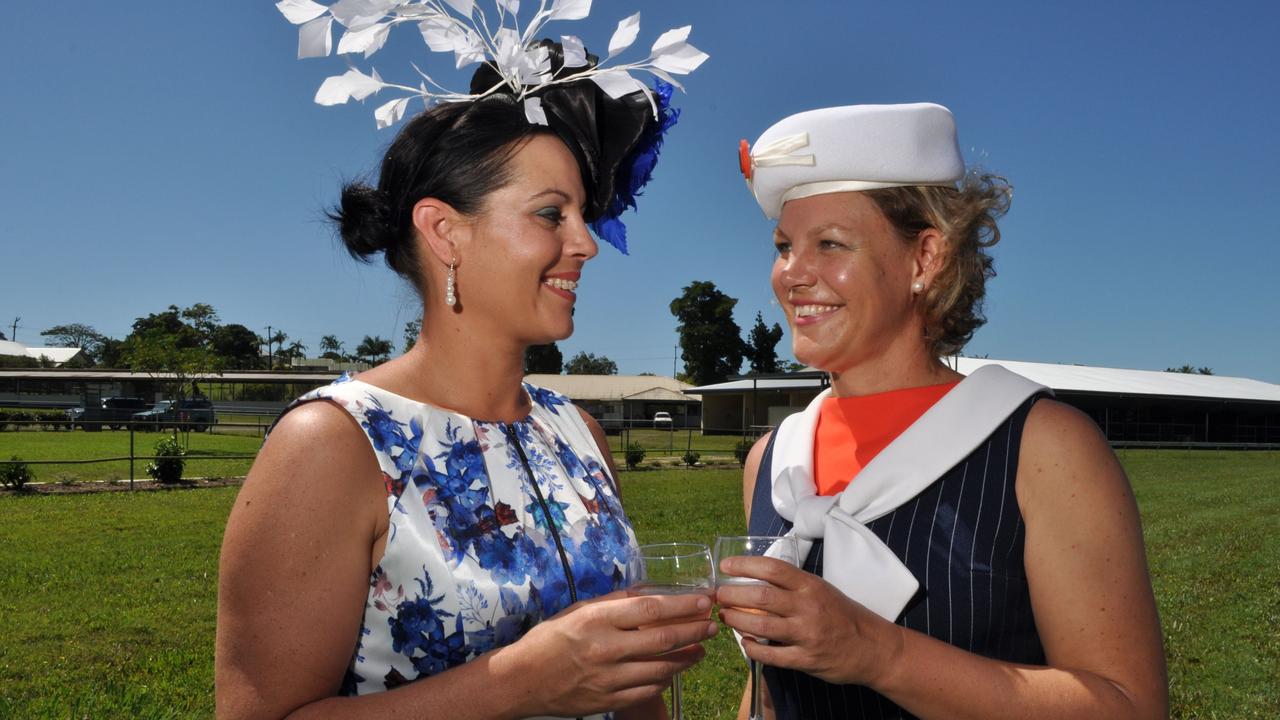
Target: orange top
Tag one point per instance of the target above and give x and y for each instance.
(853, 430)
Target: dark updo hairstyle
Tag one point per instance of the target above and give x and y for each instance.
(966, 217)
(458, 153)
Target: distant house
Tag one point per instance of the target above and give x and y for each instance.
(1131, 407)
(618, 401)
(58, 356)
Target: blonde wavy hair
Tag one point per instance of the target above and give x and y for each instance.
(966, 217)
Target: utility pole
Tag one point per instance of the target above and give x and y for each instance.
(13, 335)
(674, 350)
(269, 363)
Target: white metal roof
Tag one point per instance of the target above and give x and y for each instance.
(615, 387)
(1069, 378)
(56, 354)
(1119, 381)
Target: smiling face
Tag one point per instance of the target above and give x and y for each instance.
(844, 279)
(522, 257)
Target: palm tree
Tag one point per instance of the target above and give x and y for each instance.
(373, 349)
(331, 347)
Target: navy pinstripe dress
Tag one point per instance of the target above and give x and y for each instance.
(962, 537)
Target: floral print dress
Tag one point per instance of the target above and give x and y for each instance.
(492, 527)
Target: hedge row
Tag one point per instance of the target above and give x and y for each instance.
(33, 420)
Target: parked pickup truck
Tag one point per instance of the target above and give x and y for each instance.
(112, 412)
(191, 414)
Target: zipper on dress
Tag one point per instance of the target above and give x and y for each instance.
(546, 512)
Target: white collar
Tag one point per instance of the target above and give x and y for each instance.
(856, 560)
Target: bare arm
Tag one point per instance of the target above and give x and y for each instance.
(1090, 593)
(294, 578)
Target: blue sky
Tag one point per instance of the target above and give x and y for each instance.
(156, 153)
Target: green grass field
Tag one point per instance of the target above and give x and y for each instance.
(204, 453)
(107, 600)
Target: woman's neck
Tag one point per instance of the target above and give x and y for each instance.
(460, 371)
(892, 371)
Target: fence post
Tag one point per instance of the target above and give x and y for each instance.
(131, 428)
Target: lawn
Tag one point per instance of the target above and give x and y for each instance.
(205, 453)
(107, 601)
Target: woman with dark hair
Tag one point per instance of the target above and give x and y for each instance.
(973, 546)
(436, 538)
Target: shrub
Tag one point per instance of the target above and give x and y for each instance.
(691, 457)
(15, 474)
(741, 450)
(168, 465)
(635, 455)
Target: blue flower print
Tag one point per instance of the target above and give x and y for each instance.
(464, 515)
(547, 399)
(443, 651)
(384, 431)
(540, 518)
(569, 460)
(416, 624)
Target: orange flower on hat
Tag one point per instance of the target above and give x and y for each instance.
(744, 158)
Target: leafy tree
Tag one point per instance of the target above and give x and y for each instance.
(411, 332)
(111, 354)
(791, 366)
(543, 359)
(77, 335)
(163, 356)
(296, 349)
(1191, 370)
(588, 364)
(710, 341)
(170, 323)
(331, 348)
(761, 344)
(237, 345)
(374, 349)
(203, 318)
(2, 336)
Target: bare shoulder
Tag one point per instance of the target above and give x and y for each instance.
(751, 470)
(1064, 454)
(319, 442)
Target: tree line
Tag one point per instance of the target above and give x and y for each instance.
(193, 342)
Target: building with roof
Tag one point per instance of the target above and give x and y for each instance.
(617, 401)
(55, 355)
(1132, 407)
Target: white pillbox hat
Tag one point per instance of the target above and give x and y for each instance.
(854, 147)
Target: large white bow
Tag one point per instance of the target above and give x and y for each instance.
(854, 559)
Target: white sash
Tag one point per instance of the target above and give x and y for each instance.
(855, 560)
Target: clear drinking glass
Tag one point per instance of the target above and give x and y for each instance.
(671, 569)
(781, 547)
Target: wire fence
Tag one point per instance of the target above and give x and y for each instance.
(632, 445)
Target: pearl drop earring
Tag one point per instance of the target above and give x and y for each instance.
(450, 298)
(917, 287)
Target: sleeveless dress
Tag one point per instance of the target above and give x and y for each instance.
(962, 537)
(493, 527)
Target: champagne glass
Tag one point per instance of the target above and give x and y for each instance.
(780, 547)
(671, 569)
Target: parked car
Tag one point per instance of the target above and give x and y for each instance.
(113, 412)
(191, 414)
(662, 420)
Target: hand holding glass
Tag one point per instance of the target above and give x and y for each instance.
(671, 569)
(780, 547)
